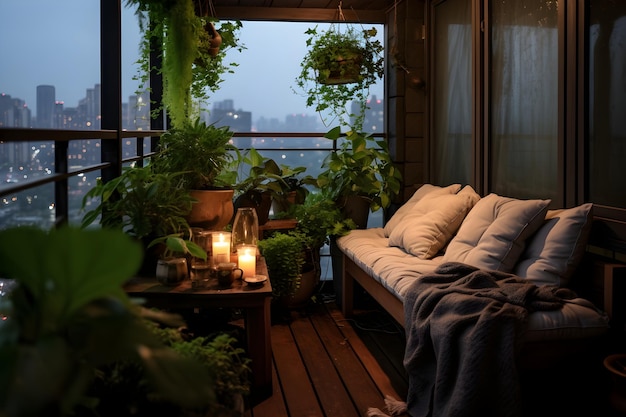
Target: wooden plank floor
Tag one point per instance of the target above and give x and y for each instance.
(325, 365)
(322, 366)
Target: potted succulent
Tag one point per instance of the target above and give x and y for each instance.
(204, 157)
(327, 78)
(67, 315)
(192, 51)
(361, 168)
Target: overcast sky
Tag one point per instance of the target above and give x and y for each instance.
(57, 43)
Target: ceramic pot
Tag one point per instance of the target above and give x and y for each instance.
(172, 271)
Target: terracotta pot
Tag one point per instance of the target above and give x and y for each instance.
(213, 210)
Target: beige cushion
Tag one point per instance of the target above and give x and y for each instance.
(555, 250)
(425, 189)
(493, 234)
(432, 222)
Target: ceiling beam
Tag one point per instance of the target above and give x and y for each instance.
(297, 14)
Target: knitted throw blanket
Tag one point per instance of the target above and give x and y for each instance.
(464, 330)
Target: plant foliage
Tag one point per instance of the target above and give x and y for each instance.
(329, 54)
(66, 315)
(200, 153)
(189, 71)
(284, 255)
(361, 166)
(140, 202)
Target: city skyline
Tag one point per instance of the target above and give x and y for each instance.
(65, 52)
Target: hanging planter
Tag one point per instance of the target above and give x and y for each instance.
(345, 68)
(339, 67)
(193, 51)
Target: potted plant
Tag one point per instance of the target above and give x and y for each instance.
(144, 204)
(66, 315)
(296, 186)
(285, 254)
(269, 185)
(327, 78)
(361, 167)
(259, 184)
(203, 156)
(174, 263)
(186, 40)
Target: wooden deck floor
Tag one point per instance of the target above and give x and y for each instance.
(322, 366)
(327, 366)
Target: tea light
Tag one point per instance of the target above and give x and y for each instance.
(246, 258)
(221, 247)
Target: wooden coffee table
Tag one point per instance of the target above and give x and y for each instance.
(254, 301)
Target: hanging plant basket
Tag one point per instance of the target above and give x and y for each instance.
(344, 69)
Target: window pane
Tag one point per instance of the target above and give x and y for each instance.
(607, 93)
(453, 92)
(524, 99)
(259, 95)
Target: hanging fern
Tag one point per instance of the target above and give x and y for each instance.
(181, 50)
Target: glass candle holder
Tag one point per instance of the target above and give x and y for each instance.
(221, 247)
(246, 259)
(245, 227)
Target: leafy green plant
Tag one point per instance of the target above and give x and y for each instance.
(142, 203)
(201, 154)
(361, 166)
(284, 255)
(265, 175)
(330, 55)
(66, 315)
(190, 71)
(122, 388)
(319, 218)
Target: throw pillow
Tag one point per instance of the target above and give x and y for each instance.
(432, 222)
(425, 189)
(493, 234)
(555, 250)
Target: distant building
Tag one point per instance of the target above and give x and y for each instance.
(45, 106)
(14, 112)
(374, 121)
(224, 114)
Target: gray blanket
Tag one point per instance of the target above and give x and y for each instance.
(464, 328)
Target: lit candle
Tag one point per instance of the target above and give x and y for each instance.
(221, 247)
(246, 258)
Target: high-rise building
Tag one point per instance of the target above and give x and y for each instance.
(13, 112)
(45, 106)
(224, 114)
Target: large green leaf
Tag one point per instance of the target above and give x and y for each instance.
(66, 268)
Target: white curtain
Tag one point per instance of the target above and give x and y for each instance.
(453, 92)
(524, 98)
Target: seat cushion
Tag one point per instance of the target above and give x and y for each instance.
(406, 208)
(555, 250)
(494, 232)
(432, 222)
